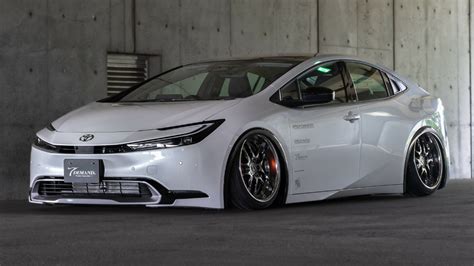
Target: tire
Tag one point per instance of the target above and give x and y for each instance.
(256, 171)
(425, 164)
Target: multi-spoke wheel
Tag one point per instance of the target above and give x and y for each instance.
(425, 166)
(256, 176)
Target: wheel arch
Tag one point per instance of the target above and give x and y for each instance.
(283, 193)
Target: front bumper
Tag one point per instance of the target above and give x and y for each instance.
(180, 176)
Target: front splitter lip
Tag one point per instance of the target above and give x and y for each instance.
(69, 201)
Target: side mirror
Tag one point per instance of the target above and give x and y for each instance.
(318, 95)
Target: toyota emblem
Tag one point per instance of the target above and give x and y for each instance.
(86, 137)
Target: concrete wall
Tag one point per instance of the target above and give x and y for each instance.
(185, 31)
(53, 52)
(52, 56)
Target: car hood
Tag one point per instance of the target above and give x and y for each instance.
(131, 117)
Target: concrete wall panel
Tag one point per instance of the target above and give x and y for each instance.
(23, 78)
(18, 20)
(471, 67)
(253, 28)
(76, 77)
(375, 24)
(52, 59)
(463, 85)
(378, 56)
(375, 31)
(14, 159)
(314, 26)
(205, 30)
(122, 25)
(411, 39)
(158, 30)
(89, 21)
(295, 21)
(76, 61)
(23, 110)
(332, 49)
(338, 23)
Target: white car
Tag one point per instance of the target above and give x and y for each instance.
(250, 133)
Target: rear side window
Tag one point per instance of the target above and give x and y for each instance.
(397, 86)
(368, 82)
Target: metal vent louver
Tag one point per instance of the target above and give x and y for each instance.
(125, 71)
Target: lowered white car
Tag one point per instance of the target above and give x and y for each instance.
(251, 133)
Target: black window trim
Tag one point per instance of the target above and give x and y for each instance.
(350, 88)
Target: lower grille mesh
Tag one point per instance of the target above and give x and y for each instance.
(105, 188)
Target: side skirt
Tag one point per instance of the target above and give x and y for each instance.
(322, 195)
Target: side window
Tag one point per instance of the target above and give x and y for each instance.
(290, 92)
(368, 82)
(326, 77)
(323, 77)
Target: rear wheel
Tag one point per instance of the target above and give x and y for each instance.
(256, 171)
(425, 165)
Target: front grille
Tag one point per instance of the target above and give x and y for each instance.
(104, 189)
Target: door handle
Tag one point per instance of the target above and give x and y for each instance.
(351, 117)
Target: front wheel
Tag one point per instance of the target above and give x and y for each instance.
(425, 165)
(256, 171)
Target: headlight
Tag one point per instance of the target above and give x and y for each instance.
(205, 129)
(39, 143)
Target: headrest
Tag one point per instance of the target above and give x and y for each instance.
(239, 87)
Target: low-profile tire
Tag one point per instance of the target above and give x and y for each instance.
(255, 176)
(425, 165)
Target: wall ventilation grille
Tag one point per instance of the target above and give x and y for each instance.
(125, 71)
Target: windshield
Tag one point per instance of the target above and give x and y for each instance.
(208, 81)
